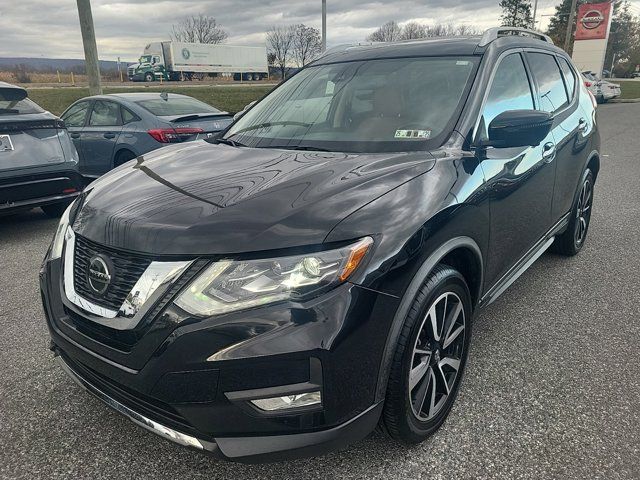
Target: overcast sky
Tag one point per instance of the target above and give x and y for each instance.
(46, 28)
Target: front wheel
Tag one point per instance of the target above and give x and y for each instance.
(148, 77)
(572, 240)
(430, 357)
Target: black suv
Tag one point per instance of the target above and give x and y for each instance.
(313, 272)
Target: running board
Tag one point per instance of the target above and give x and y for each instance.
(506, 281)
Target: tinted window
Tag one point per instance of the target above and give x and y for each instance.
(552, 93)
(127, 116)
(173, 105)
(75, 116)
(569, 77)
(510, 90)
(362, 106)
(104, 114)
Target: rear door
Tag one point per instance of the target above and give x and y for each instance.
(557, 92)
(100, 135)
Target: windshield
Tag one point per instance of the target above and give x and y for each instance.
(172, 105)
(368, 106)
(18, 107)
(145, 59)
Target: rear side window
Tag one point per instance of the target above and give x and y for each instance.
(176, 106)
(128, 117)
(104, 114)
(553, 95)
(75, 116)
(569, 77)
(510, 90)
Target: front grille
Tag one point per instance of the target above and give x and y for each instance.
(128, 268)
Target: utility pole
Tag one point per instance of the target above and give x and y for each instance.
(535, 12)
(572, 16)
(324, 25)
(90, 49)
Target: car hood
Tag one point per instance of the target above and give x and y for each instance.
(200, 198)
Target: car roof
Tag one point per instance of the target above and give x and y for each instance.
(440, 46)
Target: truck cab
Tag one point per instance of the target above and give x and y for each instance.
(150, 67)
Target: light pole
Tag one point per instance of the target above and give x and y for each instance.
(324, 25)
(90, 49)
(572, 15)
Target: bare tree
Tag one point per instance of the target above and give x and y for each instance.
(389, 32)
(280, 45)
(413, 30)
(306, 44)
(199, 29)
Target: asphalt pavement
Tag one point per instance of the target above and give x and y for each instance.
(552, 387)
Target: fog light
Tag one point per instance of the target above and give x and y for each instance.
(289, 401)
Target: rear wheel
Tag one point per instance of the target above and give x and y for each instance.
(430, 357)
(572, 240)
(122, 157)
(55, 210)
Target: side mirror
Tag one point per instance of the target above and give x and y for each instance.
(244, 110)
(519, 128)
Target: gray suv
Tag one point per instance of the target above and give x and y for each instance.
(38, 163)
(109, 130)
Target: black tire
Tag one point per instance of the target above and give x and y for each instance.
(148, 77)
(571, 241)
(123, 157)
(399, 417)
(55, 210)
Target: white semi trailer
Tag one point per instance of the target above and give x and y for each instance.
(185, 61)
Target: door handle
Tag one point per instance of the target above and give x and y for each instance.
(582, 124)
(548, 152)
(109, 135)
(74, 135)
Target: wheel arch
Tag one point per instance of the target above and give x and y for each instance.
(593, 163)
(461, 253)
(120, 151)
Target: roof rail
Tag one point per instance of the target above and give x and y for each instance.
(493, 33)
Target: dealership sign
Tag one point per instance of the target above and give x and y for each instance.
(593, 21)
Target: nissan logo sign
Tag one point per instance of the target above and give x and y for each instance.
(98, 275)
(592, 19)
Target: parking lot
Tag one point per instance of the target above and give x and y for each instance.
(552, 388)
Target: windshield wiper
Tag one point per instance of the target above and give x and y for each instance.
(231, 143)
(8, 110)
(299, 147)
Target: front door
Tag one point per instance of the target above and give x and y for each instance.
(100, 136)
(74, 119)
(519, 180)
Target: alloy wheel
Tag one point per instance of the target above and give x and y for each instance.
(583, 212)
(437, 356)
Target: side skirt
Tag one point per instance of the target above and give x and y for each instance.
(524, 263)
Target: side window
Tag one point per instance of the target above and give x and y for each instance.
(76, 115)
(553, 95)
(127, 116)
(104, 114)
(569, 77)
(510, 90)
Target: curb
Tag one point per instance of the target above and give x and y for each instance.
(624, 100)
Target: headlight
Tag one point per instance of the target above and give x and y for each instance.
(58, 239)
(227, 285)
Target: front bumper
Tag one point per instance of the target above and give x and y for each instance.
(166, 383)
(246, 449)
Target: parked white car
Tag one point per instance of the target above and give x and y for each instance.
(601, 89)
